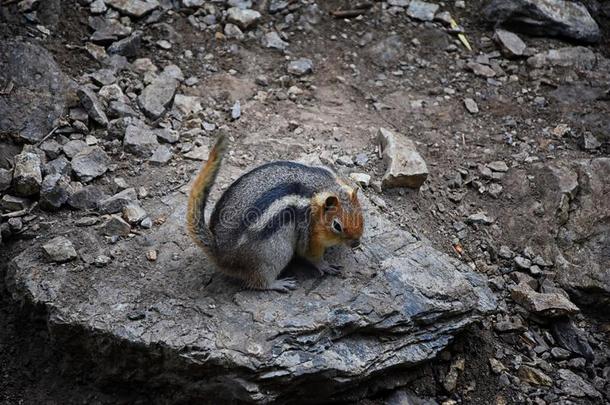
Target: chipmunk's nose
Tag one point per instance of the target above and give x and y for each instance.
(355, 243)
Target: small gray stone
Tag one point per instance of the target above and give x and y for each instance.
(140, 141)
(167, 135)
(102, 261)
(103, 77)
(161, 155)
(543, 304)
(236, 110)
(12, 203)
(481, 70)
(479, 218)
(51, 148)
(73, 147)
(158, 96)
(245, 19)
(405, 166)
(6, 178)
(588, 141)
(134, 213)
(576, 386)
(495, 190)
(59, 250)
(421, 10)
(54, 192)
(90, 163)
(27, 174)
(498, 166)
(146, 223)
(573, 56)
(345, 161)
(471, 105)
(98, 7)
(387, 52)
(117, 202)
(86, 198)
(116, 226)
(560, 353)
(232, 31)
(512, 45)
(522, 263)
(133, 8)
(361, 159)
(273, 40)
(300, 67)
(89, 101)
(128, 47)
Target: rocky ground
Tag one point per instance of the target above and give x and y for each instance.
(108, 107)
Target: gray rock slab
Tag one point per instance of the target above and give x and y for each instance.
(40, 91)
(420, 10)
(243, 18)
(512, 45)
(561, 18)
(92, 105)
(59, 249)
(572, 56)
(397, 303)
(140, 141)
(90, 163)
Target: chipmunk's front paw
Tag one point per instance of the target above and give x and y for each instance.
(326, 268)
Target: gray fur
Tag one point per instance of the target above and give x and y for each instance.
(240, 249)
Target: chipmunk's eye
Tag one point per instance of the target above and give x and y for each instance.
(337, 226)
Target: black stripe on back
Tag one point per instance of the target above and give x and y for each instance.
(288, 216)
(214, 219)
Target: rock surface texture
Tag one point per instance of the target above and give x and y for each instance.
(39, 92)
(397, 303)
(545, 17)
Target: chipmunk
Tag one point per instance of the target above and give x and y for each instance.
(270, 215)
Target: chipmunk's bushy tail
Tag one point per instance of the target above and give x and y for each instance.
(195, 218)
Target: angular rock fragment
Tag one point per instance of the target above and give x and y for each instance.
(273, 40)
(573, 56)
(116, 226)
(133, 8)
(405, 166)
(420, 10)
(140, 141)
(6, 178)
(158, 96)
(13, 203)
(512, 45)
(471, 106)
(86, 198)
(59, 250)
(90, 103)
(161, 155)
(128, 47)
(117, 202)
(244, 19)
(534, 376)
(300, 67)
(387, 52)
(543, 304)
(73, 147)
(568, 19)
(90, 163)
(134, 213)
(55, 191)
(27, 174)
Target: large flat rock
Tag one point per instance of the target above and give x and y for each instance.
(397, 303)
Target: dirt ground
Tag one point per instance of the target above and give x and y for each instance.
(339, 111)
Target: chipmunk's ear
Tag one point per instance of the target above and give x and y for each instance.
(331, 202)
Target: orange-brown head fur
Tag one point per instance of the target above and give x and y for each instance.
(336, 218)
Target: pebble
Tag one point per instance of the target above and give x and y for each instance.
(522, 263)
(481, 70)
(243, 18)
(164, 44)
(512, 45)
(273, 40)
(73, 147)
(300, 67)
(151, 255)
(480, 218)
(102, 261)
(361, 159)
(13, 203)
(543, 304)
(345, 160)
(232, 31)
(59, 250)
(236, 111)
(471, 105)
(498, 166)
(134, 213)
(27, 174)
(421, 10)
(534, 376)
(146, 223)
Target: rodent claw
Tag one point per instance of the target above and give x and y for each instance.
(284, 285)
